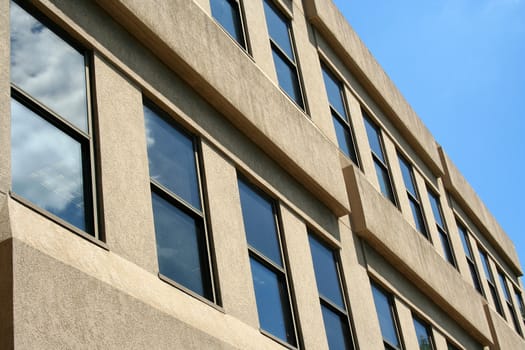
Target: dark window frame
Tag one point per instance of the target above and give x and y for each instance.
(346, 313)
(88, 140)
(428, 330)
(261, 258)
(393, 314)
(345, 120)
(245, 44)
(469, 255)
(489, 276)
(378, 159)
(442, 229)
(181, 204)
(292, 62)
(509, 302)
(414, 198)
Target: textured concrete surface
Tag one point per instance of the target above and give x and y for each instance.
(463, 193)
(504, 336)
(385, 229)
(5, 101)
(224, 75)
(126, 196)
(325, 16)
(229, 238)
(410, 300)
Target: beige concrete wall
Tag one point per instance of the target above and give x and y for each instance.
(302, 280)
(465, 195)
(222, 73)
(5, 101)
(229, 238)
(411, 300)
(70, 293)
(504, 336)
(124, 175)
(382, 226)
(325, 16)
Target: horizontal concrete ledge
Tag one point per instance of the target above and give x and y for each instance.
(327, 19)
(188, 41)
(477, 211)
(377, 221)
(504, 336)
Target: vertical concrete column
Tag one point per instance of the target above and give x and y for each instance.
(361, 138)
(205, 5)
(258, 38)
(303, 282)
(357, 284)
(5, 103)
(406, 325)
(229, 239)
(440, 341)
(453, 235)
(310, 69)
(126, 197)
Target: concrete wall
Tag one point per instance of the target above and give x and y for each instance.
(384, 228)
(504, 336)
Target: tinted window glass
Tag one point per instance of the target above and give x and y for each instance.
(228, 15)
(436, 208)
(259, 223)
(424, 337)
(180, 247)
(406, 170)
(278, 29)
(485, 263)
(326, 273)
(418, 217)
(384, 311)
(445, 243)
(384, 181)
(48, 68)
(336, 329)
(287, 76)
(464, 241)
(344, 139)
(333, 90)
(374, 139)
(46, 167)
(272, 302)
(172, 158)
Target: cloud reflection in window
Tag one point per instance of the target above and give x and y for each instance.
(48, 68)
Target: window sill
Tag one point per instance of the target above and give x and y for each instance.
(58, 220)
(190, 293)
(278, 340)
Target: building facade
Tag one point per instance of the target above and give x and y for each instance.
(230, 174)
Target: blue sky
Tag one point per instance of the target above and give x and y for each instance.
(461, 65)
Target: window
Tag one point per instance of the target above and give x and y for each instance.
(470, 258)
(413, 195)
(423, 334)
(268, 267)
(520, 305)
(178, 210)
(441, 227)
(491, 282)
(450, 346)
(228, 14)
(508, 301)
(386, 314)
(333, 306)
(52, 139)
(381, 166)
(343, 130)
(283, 52)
